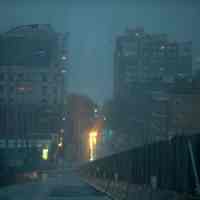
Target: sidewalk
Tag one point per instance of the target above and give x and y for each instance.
(54, 186)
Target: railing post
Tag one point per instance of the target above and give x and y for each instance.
(194, 167)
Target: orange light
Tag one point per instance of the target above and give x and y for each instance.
(95, 140)
(92, 143)
(93, 134)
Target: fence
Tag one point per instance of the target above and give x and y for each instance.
(166, 164)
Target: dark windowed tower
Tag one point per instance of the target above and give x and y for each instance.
(30, 58)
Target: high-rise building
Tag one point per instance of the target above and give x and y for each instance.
(33, 69)
(144, 63)
(140, 56)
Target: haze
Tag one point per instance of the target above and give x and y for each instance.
(93, 26)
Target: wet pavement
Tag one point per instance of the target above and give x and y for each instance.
(53, 185)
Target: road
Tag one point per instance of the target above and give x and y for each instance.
(56, 186)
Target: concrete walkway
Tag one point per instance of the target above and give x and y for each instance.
(54, 186)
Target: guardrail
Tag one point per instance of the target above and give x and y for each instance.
(165, 165)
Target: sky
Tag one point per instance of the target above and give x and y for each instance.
(93, 27)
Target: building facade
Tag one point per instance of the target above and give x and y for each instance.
(144, 65)
(33, 69)
(140, 56)
(175, 111)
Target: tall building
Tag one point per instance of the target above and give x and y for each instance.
(144, 64)
(140, 56)
(33, 69)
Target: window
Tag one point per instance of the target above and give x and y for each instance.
(44, 90)
(1, 100)
(55, 101)
(55, 91)
(44, 77)
(44, 101)
(2, 76)
(1, 89)
(11, 89)
(20, 76)
(11, 100)
(10, 77)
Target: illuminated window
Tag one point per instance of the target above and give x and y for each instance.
(56, 77)
(162, 47)
(45, 154)
(64, 58)
(55, 91)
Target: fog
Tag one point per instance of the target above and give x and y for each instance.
(93, 26)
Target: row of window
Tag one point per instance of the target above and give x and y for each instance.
(11, 89)
(12, 101)
(21, 77)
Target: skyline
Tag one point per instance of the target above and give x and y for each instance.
(93, 28)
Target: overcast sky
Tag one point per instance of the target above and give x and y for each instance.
(93, 26)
